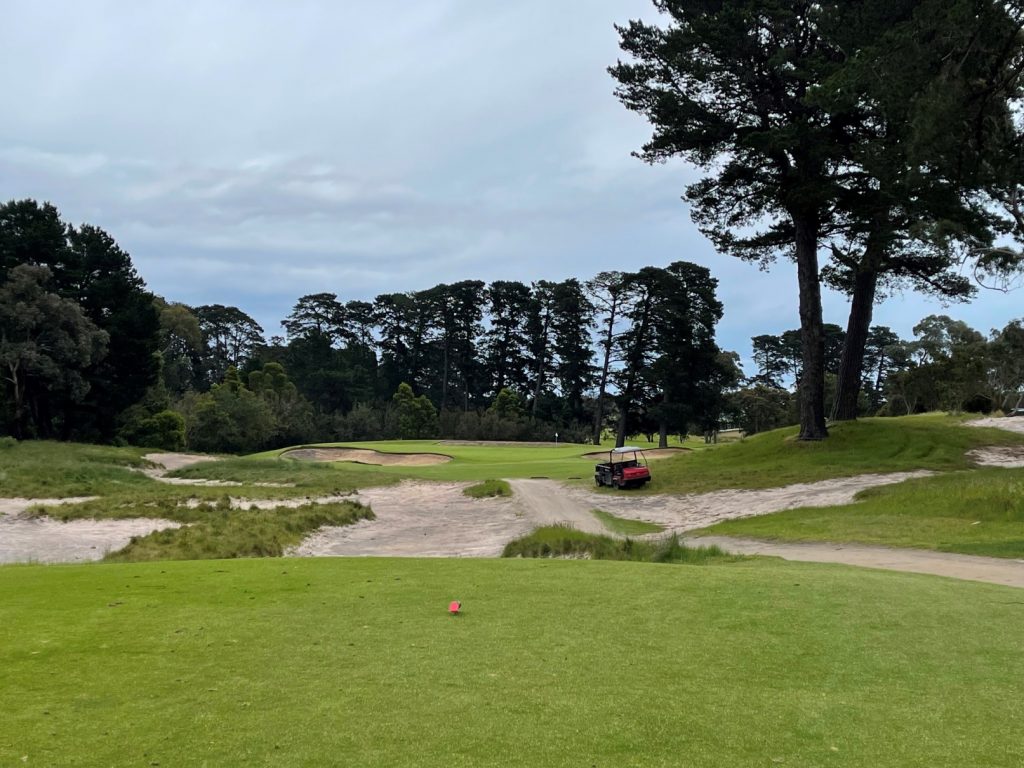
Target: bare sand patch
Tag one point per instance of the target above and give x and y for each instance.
(293, 503)
(418, 519)
(1009, 456)
(423, 519)
(689, 512)
(168, 462)
(652, 453)
(367, 456)
(510, 443)
(25, 539)
(1009, 423)
(172, 461)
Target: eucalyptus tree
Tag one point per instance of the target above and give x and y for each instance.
(504, 345)
(572, 344)
(609, 296)
(230, 337)
(319, 314)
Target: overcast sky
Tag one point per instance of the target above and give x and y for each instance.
(250, 152)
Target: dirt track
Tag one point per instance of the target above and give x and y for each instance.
(992, 570)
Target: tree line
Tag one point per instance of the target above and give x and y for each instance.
(89, 354)
(947, 366)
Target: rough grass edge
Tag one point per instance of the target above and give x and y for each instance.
(566, 542)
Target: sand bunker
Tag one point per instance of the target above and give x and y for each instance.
(1010, 456)
(366, 456)
(25, 539)
(421, 519)
(520, 443)
(653, 453)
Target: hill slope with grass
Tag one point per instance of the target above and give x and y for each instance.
(554, 663)
(979, 512)
(934, 442)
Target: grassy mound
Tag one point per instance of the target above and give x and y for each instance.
(931, 441)
(224, 533)
(561, 541)
(980, 512)
(356, 662)
(488, 489)
(47, 469)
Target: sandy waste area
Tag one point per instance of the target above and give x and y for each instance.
(366, 456)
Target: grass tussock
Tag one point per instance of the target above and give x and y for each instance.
(980, 512)
(625, 526)
(221, 533)
(488, 489)
(560, 541)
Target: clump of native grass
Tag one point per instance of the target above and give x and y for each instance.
(562, 541)
(488, 489)
(219, 532)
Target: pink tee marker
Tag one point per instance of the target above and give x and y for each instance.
(454, 607)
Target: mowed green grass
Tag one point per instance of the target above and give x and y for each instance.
(554, 663)
(473, 462)
(980, 512)
(931, 441)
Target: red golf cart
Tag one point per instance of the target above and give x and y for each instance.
(626, 468)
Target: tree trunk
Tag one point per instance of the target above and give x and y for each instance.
(541, 362)
(663, 424)
(609, 338)
(851, 366)
(444, 378)
(16, 425)
(635, 360)
(812, 334)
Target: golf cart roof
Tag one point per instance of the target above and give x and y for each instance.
(627, 449)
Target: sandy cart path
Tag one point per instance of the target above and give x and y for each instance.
(993, 570)
(417, 519)
(687, 513)
(26, 539)
(545, 502)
